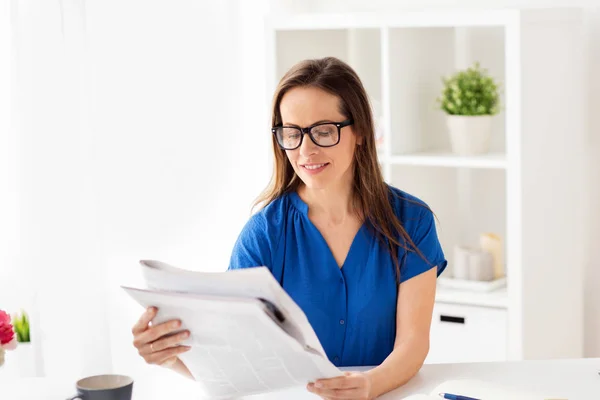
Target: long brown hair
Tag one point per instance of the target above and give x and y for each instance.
(371, 195)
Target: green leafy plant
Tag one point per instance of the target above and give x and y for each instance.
(21, 326)
(470, 92)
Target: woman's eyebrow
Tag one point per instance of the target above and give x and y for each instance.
(314, 123)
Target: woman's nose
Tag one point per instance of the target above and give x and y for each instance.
(308, 147)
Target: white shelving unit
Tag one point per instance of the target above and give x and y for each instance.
(527, 189)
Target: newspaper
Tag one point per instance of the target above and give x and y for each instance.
(247, 337)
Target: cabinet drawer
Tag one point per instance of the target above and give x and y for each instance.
(461, 333)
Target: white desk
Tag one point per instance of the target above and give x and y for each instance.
(569, 379)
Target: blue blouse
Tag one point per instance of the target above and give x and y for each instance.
(352, 309)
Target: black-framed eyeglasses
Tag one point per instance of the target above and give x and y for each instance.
(323, 134)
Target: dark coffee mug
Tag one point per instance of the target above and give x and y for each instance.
(104, 387)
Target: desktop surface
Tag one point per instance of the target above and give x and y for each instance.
(572, 379)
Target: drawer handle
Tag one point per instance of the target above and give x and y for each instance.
(454, 320)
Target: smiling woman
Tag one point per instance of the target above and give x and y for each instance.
(358, 256)
(342, 242)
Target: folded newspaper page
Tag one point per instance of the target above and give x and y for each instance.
(247, 335)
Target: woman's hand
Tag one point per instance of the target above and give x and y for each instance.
(153, 345)
(351, 386)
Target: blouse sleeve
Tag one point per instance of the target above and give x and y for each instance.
(426, 240)
(252, 247)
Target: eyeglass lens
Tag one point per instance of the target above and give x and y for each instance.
(323, 135)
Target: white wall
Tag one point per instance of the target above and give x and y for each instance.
(137, 134)
(179, 153)
(54, 247)
(9, 202)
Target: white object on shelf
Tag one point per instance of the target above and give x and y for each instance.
(472, 264)
(471, 285)
(481, 266)
(493, 244)
(460, 268)
(469, 135)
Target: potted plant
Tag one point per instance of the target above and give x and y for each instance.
(21, 326)
(470, 99)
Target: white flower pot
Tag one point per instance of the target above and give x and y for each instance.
(470, 135)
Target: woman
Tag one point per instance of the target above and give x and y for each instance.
(359, 257)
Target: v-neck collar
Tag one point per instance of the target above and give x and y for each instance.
(302, 207)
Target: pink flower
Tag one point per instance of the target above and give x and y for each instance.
(7, 333)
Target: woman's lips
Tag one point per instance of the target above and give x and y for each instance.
(314, 168)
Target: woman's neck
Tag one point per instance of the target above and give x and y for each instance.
(333, 203)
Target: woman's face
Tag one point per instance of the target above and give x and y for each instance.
(318, 167)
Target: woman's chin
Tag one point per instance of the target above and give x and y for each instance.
(315, 183)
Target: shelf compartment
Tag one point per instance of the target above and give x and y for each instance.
(419, 59)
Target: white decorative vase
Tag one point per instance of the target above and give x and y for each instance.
(470, 135)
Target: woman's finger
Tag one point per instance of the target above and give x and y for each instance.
(141, 325)
(156, 332)
(341, 382)
(161, 356)
(164, 343)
